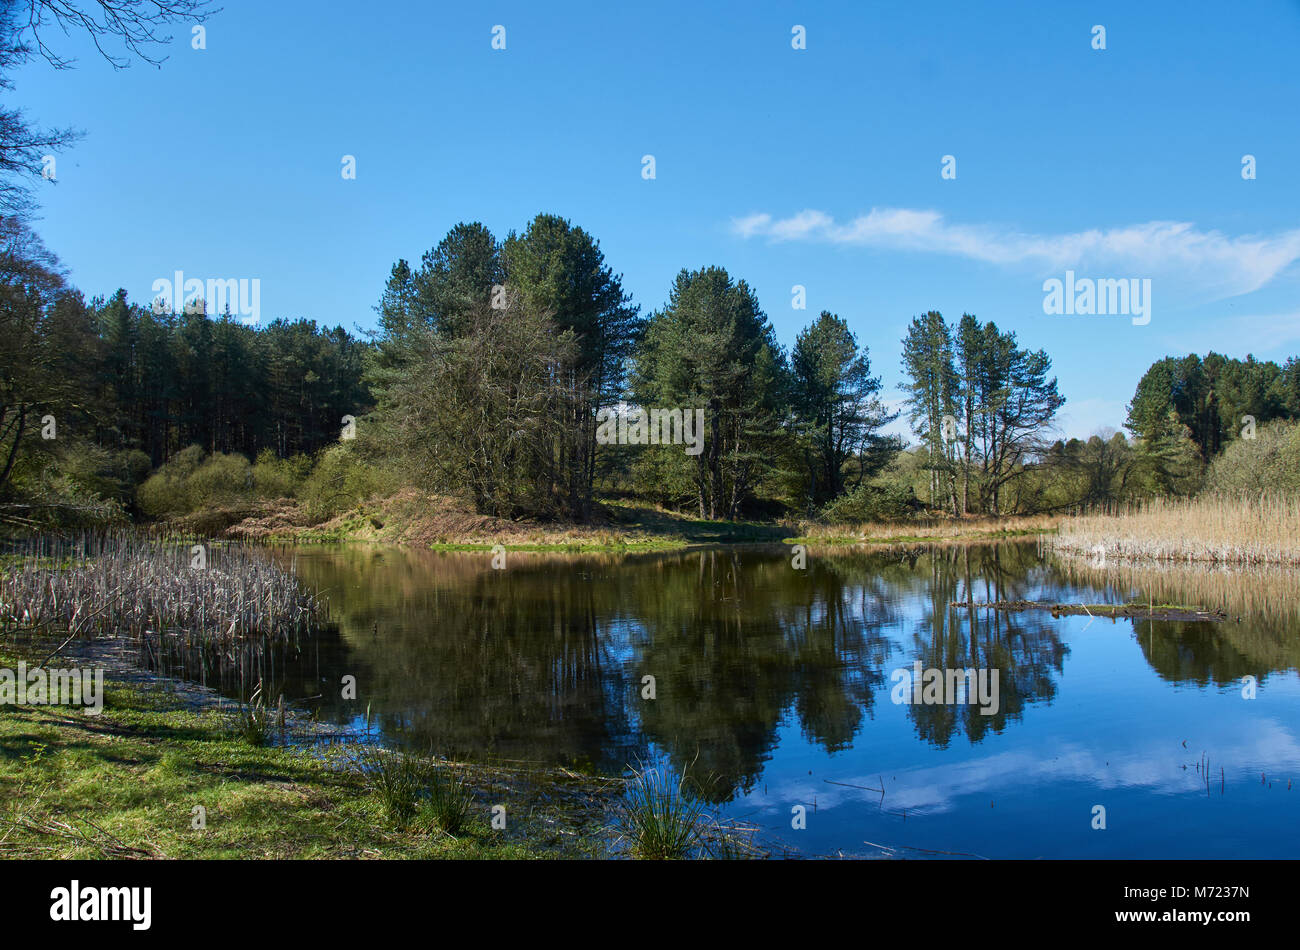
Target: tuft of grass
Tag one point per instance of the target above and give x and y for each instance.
(253, 721)
(413, 791)
(396, 780)
(659, 818)
(447, 802)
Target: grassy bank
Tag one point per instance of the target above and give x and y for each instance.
(409, 518)
(922, 532)
(125, 783)
(619, 527)
(1229, 530)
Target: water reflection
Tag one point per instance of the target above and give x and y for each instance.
(773, 685)
(546, 660)
(1263, 605)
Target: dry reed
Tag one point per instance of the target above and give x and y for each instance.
(1214, 529)
(148, 590)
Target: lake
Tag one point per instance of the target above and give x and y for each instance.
(775, 687)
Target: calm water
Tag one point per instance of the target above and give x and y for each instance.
(773, 686)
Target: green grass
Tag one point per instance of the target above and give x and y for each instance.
(631, 545)
(957, 535)
(127, 783)
(415, 791)
(660, 821)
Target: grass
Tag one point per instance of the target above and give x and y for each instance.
(415, 791)
(1213, 529)
(624, 527)
(925, 532)
(660, 821)
(446, 802)
(127, 783)
(253, 721)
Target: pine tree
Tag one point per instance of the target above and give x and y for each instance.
(837, 407)
(712, 348)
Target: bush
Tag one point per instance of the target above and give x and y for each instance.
(279, 478)
(165, 492)
(341, 480)
(1270, 462)
(872, 501)
(221, 479)
(189, 481)
(338, 479)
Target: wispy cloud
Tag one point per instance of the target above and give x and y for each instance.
(1209, 260)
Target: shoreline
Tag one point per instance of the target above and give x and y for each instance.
(621, 528)
(126, 782)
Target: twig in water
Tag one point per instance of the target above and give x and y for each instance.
(960, 854)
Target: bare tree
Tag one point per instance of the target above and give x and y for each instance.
(120, 29)
(136, 25)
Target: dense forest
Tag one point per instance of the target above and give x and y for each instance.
(96, 394)
(494, 360)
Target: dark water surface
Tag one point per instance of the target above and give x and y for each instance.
(775, 687)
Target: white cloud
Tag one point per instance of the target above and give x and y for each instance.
(1211, 260)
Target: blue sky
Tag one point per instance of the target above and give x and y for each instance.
(818, 167)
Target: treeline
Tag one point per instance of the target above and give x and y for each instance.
(498, 365)
(1191, 412)
(95, 394)
(496, 359)
(1211, 424)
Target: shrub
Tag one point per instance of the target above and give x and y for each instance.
(190, 481)
(1270, 462)
(221, 479)
(341, 480)
(166, 491)
(279, 478)
(872, 501)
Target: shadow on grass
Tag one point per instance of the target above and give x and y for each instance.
(697, 530)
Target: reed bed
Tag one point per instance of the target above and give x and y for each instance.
(219, 614)
(1214, 529)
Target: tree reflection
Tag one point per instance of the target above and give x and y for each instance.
(545, 660)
